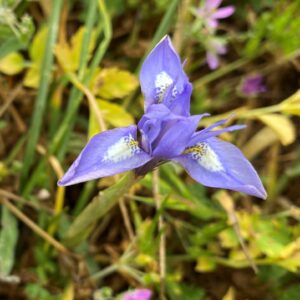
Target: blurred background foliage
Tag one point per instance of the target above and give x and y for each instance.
(64, 62)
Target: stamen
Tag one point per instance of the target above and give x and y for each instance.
(125, 148)
(205, 156)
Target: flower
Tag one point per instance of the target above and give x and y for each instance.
(253, 85)
(138, 294)
(214, 48)
(211, 13)
(167, 132)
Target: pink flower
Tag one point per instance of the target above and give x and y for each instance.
(138, 294)
(253, 85)
(211, 12)
(214, 49)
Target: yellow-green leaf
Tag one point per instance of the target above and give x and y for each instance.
(69, 55)
(205, 263)
(260, 141)
(12, 63)
(76, 44)
(228, 238)
(292, 264)
(36, 52)
(281, 125)
(292, 249)
(230, 295)
(114, 83)
(69, 292)
(32, 76)
(113, 114)
(37, 48)
(292, 104)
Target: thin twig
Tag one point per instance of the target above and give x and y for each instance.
(23, 201)
(91, 98)
(126, 219)
(60, 191)
(99, 116)
(236, 228)
(12, 96)
(162, 239)
(17, 118)
(39, 231)
(54, 162)
(228, 205)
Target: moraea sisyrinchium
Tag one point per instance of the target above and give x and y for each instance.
(167, 132)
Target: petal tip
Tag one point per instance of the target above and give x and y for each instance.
(258, 192)
(62, 182)
(263, 195)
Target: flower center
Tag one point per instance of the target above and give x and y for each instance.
(123, 149)
(205, 156)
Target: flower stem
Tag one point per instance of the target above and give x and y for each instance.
(105, 272)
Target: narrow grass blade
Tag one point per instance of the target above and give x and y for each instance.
(41, 100)
(100, 205)
(8, 239)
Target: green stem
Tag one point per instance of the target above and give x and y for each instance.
(105, 272)
(40, 104)
(220, 72)
(259, 111)
(84, 197)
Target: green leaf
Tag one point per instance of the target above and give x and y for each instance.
(197, 206)
(271, 236)
(8, 240)
(291, 293)
(114, 83)
(207, 233)
(184, 291)
(11, 44)
(99, 206)
(146, 237)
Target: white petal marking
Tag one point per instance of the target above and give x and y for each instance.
(162, 82)
(205, 156)
(125, 148)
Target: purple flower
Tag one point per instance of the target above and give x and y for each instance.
(211, 13)
(167, 132)
(253, 85)
(139, 294)
(214, 48)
